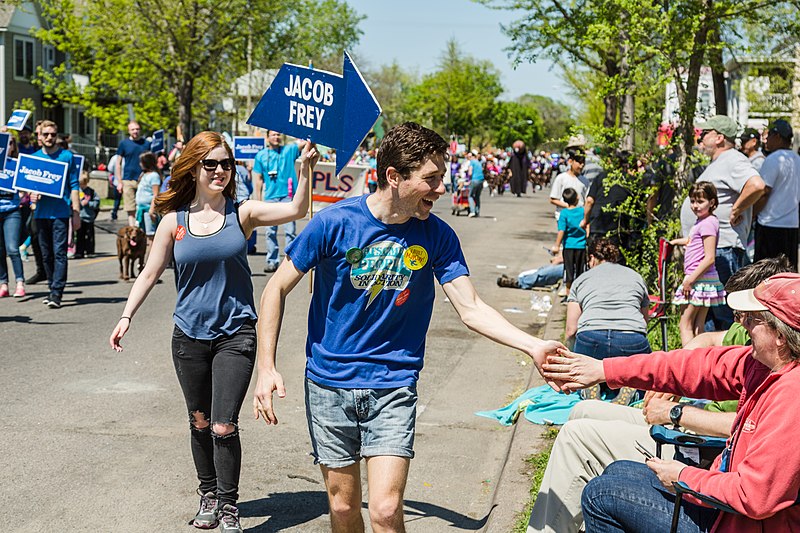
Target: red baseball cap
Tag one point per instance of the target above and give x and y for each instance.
(780, 295)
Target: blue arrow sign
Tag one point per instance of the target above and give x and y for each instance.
(325, 108)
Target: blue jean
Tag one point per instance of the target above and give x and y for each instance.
(540, 277)
(727, 262)
(628, 497)
(348, 424)
(10, 222)
(475, 190)
(53, 233)
(289, 229)
(603, 343)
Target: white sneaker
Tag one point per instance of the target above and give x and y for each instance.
(472, 215)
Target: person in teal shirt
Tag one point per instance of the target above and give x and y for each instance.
(475, 184)
(272, 170)
(573, 236)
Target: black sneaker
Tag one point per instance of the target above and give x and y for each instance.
(270, 268)
(54, 302)
(229, 519)
(508, 282)
(36, 278)
(206, 517)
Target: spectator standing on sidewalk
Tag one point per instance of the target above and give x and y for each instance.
(569, 179)
(90, 206)
(779, 208)
(129, 151)
(572, 236)
(475, 184)
(751, 147)
(53, 216)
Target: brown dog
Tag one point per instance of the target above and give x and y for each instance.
(131, 245)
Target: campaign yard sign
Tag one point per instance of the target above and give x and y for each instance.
(330, 187)
(157, 144)
(77, 164)
(44, 176)
(246, 148)
(18, 119)
(5, 138)
(7, 175)
(325, 108)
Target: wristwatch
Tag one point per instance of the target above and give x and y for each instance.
(675, 414)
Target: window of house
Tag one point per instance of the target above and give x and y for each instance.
(49, 58)
(24, 63)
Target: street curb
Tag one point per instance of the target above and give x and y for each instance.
(512, 491)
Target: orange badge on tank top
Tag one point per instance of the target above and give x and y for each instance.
(180, 233)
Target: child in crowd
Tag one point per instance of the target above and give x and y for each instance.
(146, 192)
(572, 236)
(701, 287)
(90, 206)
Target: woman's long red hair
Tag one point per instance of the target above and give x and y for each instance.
(182, 187)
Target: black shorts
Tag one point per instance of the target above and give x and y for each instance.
(574, 263)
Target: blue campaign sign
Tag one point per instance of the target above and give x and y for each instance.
(44, 176)
(77, 164)
(157, 144)
(5, 138)
(246, 148)
(18, 119)
(7, 175)
(326, 108)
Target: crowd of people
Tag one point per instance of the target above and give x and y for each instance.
(377, 257)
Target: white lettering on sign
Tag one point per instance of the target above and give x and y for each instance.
(249, 148)
(39, 175)
(317, 91)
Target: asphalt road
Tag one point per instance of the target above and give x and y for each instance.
(93, 440)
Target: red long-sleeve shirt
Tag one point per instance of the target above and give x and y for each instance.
(763, 477)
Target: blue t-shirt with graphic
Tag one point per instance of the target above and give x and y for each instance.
(569, 221)
(281, 161)
(373, 293)
(477, 170)
(49, 207)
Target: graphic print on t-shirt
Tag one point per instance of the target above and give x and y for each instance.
(386, 265)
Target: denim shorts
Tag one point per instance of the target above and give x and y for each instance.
(348, 424)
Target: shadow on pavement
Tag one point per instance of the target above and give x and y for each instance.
(425, 510)
(89, 283)
(17, 318)
(285, 509)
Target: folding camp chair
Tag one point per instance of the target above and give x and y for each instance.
(660, 303)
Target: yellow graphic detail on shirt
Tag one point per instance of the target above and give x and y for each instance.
(415, 257)
(382, 268)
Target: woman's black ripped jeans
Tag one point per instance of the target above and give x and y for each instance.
(214, 376)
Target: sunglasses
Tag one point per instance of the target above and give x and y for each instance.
(211, 164)
(48, 134)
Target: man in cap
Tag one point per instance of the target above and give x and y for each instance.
(779, 215)
(751, 147)
(739, 186)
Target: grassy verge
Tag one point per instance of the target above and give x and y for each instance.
(536, 466)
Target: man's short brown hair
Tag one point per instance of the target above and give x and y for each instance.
(48, 124)
(406, 147)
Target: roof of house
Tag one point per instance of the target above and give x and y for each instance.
(6, 13)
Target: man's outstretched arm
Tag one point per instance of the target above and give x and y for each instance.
(270, 317)
(484, 319)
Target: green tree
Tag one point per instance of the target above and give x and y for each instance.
(173, 59)
(514, 121)
(557, 118)
(458, 98)
(390, 85)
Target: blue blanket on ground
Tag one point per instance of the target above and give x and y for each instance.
(541, 405)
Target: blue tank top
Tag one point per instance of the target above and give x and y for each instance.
(215, 291)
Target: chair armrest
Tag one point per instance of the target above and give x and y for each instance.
(682, 488)
(665, 435)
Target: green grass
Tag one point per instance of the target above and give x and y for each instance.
(536, 464)
(673, 333)
(106, 202)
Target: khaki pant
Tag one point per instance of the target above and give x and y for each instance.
(597, 434)
(129, 195)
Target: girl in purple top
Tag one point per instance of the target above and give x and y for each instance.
(701, 287)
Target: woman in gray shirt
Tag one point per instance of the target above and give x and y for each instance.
(607, 310)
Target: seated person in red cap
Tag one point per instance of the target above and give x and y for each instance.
(758, 474)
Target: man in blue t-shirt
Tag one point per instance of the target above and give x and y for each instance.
(475, 184)
(128, 167)
(272, 170)
(376, 258)
(53, 216)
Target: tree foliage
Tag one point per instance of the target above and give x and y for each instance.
(173, 59)
(458, 98)
(515, 120)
